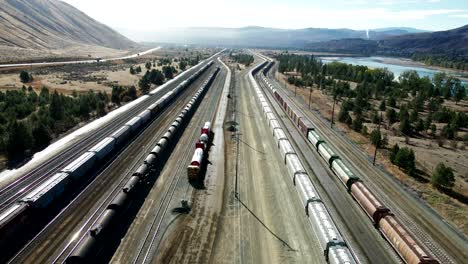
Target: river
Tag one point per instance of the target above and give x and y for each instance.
(397, 66)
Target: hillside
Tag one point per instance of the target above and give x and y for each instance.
(454, 41)
(448, 42)
(352, 45)
(53, 24)
(259, 36)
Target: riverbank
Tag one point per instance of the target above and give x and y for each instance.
(410, 62)
(398, 66)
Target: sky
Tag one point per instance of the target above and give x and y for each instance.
(152, 15)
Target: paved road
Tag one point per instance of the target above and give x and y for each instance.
(15, 65)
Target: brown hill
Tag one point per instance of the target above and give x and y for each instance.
(53, 24)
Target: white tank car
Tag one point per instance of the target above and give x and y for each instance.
(194, 167)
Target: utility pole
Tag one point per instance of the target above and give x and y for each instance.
(333, 112)
(295, 86)
(380, 141)
(310, 95)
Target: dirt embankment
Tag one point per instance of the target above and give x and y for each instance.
(427, 151)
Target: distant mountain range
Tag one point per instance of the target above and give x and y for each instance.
(263, 37)
(453, 41)
(53, 24)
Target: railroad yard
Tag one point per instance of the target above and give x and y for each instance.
(221, 164)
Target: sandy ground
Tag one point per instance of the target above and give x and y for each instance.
(428, 155)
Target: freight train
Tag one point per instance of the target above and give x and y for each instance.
(88, 247)
(409, 249)
(51, 190)
(335, 248)
(201, 150)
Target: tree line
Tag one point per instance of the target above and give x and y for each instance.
(453, 61)
(245, 59)
(156, 77)
(401, 101)
(30, 120)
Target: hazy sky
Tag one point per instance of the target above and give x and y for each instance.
(147, 15)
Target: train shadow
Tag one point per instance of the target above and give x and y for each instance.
(252, 148)
(231, 126)
(455, 195)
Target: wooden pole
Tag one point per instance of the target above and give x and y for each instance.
(376, 147)
(310, 96)
(333, 113)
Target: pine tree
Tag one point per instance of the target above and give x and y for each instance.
(443, 176)
(56, 106)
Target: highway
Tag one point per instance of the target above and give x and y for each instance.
(56, 63)
(442, 240)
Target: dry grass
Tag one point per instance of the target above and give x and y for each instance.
(14, 54)
(85, 77)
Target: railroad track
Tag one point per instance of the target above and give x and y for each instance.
(150, 240)
(343, 224)
(11, 193)
(361, 164)
(92, 196)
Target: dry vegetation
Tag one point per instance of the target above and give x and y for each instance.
(97, 77)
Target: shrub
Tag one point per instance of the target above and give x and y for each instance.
(443, 176)
(344, 117)
(357, 124)
(405, 159)
(25, 77)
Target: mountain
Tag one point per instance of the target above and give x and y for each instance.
(453, 41)
(53, 24)
(408, 30)
(259, 36)
(382, 33)
(352, 45)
